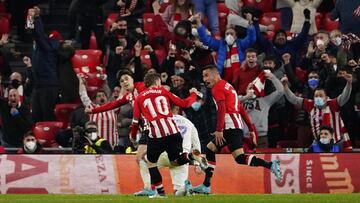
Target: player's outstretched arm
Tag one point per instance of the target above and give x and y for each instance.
(111, 105)
(183, 103)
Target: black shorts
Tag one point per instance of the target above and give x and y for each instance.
(233, 139)
(171, 144)
(144, 137)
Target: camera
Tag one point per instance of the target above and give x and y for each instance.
(78, 140)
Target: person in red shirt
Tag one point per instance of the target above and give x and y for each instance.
(154, 105)
(229, 129)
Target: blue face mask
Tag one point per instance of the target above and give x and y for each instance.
(313, 83)
(196, 106)
(319, 102)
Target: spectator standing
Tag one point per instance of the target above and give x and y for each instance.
(297, 9)
(179, 10)
(132, 11)
(324, 111)
(45, 70)
(208, 9)
(230, 50)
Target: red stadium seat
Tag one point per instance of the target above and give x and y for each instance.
(86, 61)
(328, 24)
(4, 24)
(264, 5)
(93, 42)
(272, 18)
(63, 111)
(45, 132)
(223, 12)
(93, 79)
(318, 19)
(2, 6)
(149, 27)
(145, 57)
(301, 74)
(110, 20)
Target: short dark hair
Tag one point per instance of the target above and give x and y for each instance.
(29, 133)
(90, 123)
(210, 67)
(320, 89)
(100, 91)
(251, 50)
(270, 58)
(151, 78)
(328, 128)
(124, 72)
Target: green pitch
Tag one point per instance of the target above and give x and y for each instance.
(298, 198)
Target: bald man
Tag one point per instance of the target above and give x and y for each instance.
(16, 119)
(16, 83)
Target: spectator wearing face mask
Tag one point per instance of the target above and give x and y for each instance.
(15, 83)
(258, 107)
(16, 120)
(324, 111)
(280, 45)
(325, 143)
(94, 143)
(30, 145)
(230, 50)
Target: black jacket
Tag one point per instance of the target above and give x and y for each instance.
(44, 58)
(14, 127)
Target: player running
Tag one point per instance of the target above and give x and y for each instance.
(228, 129)
(154, 104)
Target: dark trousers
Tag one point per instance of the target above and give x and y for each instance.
(72, 17)
(43, 103)
(90, 24)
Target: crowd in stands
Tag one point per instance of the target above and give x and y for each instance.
(295, 65)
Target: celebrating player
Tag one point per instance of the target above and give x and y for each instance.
(228, 129)
(179, 174)
(154, 104)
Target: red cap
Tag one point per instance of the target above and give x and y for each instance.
(55, 35)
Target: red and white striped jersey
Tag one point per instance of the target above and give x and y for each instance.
(225, 96)
(106, 121)
(329, 116)
(107, 125)
(154, 105)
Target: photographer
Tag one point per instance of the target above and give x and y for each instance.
(94, 144)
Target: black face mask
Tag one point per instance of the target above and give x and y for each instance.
(341, 81)
(268, 68)
(120, 31)
(15, 84)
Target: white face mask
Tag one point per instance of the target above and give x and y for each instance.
(324, 140)
(194, 32)
(92, 136)
(30, 146)
(229, 40)
(338, 41)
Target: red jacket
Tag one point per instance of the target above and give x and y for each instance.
(243, 76)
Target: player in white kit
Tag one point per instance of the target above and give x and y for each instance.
(179, 174)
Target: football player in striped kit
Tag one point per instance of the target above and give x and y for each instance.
(229, 129)
(179, 174)
(164, 135)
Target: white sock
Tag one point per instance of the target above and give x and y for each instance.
(145, 175)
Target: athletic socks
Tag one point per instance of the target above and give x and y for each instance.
(252, 160)
(210, 156)
(144, 173)
(156, 180)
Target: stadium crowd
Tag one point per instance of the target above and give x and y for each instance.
(295, 66)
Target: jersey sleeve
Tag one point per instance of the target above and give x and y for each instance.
(246, 118)
(183, 103)
(308, 105)
(111, 105)
(136, 117)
